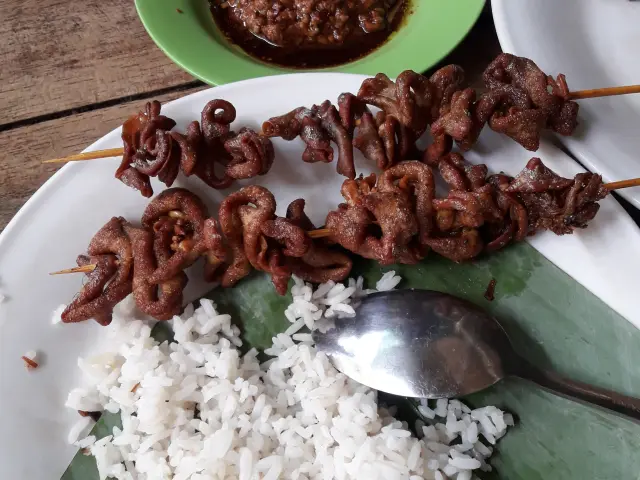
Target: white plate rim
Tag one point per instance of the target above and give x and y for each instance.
(579, 149)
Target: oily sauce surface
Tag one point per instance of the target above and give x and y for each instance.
(308, 33)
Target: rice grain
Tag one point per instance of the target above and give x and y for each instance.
(196, 409)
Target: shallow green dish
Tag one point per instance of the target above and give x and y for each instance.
(192, 40)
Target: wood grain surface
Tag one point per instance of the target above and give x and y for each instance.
(58, 55)
(68, 71)
(22, 171)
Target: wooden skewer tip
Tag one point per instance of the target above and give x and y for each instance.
(325, 232)
(319, 233)
(84, 269)
(577, 95)
(604, 92)
(110, 152)
(633, 182)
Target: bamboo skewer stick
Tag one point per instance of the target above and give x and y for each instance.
(604, 92)
(80, 157)
(318, 233)
(633, 182)
(83, 269)
(325, 232)
(577, 95)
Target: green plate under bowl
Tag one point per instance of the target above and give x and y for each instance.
(186, 32)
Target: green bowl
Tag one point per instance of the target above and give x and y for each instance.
(186, 32)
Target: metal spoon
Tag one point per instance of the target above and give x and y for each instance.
(421, 343)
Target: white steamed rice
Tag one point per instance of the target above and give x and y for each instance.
(196, 409)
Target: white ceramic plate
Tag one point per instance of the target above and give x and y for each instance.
(58, 221)
(595, 43)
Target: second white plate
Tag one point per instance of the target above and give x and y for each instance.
(595, 43)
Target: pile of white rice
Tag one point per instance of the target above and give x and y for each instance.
(197, 409)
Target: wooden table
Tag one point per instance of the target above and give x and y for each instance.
(73, 71)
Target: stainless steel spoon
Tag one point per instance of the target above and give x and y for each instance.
(421, 343)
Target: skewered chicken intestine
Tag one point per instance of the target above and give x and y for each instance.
(522, 77)
(111, 279)
(279, 246)
(212, 152)
(521, 102)
(180, 215)
(322, 262)
(393, 218)
(407, 106)
(161, 300)
(375, 224)
(555, 203)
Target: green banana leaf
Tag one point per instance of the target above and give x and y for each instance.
(552, 320)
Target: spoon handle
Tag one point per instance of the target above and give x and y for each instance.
(582, 392)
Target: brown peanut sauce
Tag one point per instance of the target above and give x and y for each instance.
(309, 33)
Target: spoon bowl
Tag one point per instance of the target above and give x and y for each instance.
(418, 343)
(427, 344)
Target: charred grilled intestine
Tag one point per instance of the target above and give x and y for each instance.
(149, 260)
(321, 262)
(381, 221)
(523, 78)
(479, 213)
(110, 281)
(257, 238)
(414, 100)
(242, 215)
(508, 209)
(555, 203)
(151, 249)
(521, 102)
(400, 223)
(469, 207)
(177, 217)
(407, 106)
(393, 218)
(151, 149)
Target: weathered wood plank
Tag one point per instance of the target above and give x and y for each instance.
(58, 55)
(21, 172)
(24, 149)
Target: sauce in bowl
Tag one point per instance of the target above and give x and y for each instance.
(308, 33)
